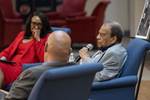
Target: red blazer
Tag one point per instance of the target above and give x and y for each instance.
(33, 52)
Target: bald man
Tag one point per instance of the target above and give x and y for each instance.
(57, 49)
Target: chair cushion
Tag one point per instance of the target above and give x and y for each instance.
(57, 23)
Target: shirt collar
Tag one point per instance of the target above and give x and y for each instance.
(105, 48)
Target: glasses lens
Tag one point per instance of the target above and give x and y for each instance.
(38, 24)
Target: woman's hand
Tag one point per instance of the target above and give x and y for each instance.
(36, 34)
(5, 92)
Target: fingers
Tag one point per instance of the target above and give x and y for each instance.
(36, 34)
(5, 92)
(84, 49)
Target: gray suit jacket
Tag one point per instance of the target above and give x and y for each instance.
(112, 59)
(22, 87)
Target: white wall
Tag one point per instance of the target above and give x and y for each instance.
(118, 11)
(90, 5)
(14, 4)
(136, 9)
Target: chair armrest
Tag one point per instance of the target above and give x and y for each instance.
(115, 83)
(73, 15)
(17, 15)
(82, 18)
(26, 66)
(20, 21)
(80, 22)
(67, 30)
(52, 15)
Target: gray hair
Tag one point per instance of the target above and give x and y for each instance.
(116, 29)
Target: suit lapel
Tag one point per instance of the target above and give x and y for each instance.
(102, 54)
(97, 53)
(15, 46)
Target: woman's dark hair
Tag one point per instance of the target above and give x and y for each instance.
(116, 30)
(46, 25)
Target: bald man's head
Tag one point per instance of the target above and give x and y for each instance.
(58, 47)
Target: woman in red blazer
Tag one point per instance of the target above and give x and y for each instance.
(28, 47)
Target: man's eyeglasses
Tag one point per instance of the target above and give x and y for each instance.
(38, 24)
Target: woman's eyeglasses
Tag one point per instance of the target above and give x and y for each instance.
(38, 24)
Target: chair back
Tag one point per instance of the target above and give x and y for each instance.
(71, 6)
(7, 7)
(65, 83)
(99, 13)
(67, 30)
(135, 50)
(10, 23)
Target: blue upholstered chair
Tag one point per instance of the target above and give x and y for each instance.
(67, 30)
(123, 88)
(65, 83)
(26, 66)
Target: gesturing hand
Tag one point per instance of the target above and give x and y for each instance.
(36, 34)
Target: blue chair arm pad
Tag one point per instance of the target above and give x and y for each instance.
(26, 66)
(67, 30)
(116, 83)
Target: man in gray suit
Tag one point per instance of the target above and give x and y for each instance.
(57, 50)
(112, 54)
